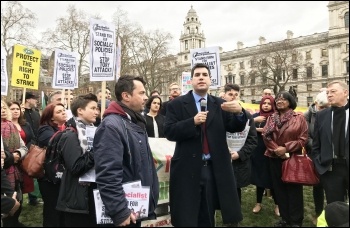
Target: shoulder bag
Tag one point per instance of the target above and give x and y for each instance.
(33, 162)
(299, 169)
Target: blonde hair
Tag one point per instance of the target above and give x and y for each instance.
(8, 112)
(341, 83)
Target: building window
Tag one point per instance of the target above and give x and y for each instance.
(325, 71)
(346, 19)
(309, 72)
(253, 92)
(295, 73)
(186, 44)
(283, 75)
(347, 66)
(308, 54)
(252, 79)
(324, 85)
(241, 65)
(242, 79)
(309, 87)
(347, 48)
(310, 100)
(230, 78)
(242, 92)
(264, 62)
(185, 57)
(200, 44)
(264, 78)
(294, 57)
(324, 52)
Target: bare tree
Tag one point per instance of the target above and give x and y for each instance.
(17, 24)
(275, 64)
(146, 53)
(72, 34)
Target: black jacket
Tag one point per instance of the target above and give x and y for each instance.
(7, 202)
(30, 137)
(241, 166)
(74, 197)
(33, 118)
(160, 120)
(122, 154)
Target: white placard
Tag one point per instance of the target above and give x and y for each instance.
(186, 82)
(65, 75)
(4, 78)
(235, 141)
(119, 59)
(137, 197)
(102, 50)
(211, 57)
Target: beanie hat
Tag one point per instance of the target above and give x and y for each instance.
(337, 214)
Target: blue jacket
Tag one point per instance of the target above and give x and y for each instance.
(122, 154)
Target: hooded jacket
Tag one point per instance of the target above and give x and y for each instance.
(122, 154)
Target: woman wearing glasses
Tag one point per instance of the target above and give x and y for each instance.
(285, 132)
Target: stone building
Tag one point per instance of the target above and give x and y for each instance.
(322, 57)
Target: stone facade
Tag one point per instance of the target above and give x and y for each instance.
(325, 57)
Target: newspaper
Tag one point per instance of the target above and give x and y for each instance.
(89, 176)
(137, 197)
(235, 141)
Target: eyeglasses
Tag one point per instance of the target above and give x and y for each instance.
(174, 89)
(281, 99)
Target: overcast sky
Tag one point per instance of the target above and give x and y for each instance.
(223, 23)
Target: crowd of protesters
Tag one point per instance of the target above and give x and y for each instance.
(200, 166)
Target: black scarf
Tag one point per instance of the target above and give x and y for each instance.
(136, 118)
(339, 120)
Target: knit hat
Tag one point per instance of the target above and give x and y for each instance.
(337, 214)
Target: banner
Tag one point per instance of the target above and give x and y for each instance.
(162, 150)
(102, 50)
(186, 82)
(65, 75)
(161, 221)
(25, 67)
(211, 57)
(4, 77)
(254, 108)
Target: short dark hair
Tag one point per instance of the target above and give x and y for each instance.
(286, 95)
(230, 86)
(200, 65)
(150, 100)
(126, 84)
(82, 101)
(154, 91)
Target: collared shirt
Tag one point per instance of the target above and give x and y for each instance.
(197, 98)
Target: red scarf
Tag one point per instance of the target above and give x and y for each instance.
(11, 139)
(276, 120)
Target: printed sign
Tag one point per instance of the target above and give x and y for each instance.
(186, 82)
(4, 78)
(65, 75)
(26, 67)
(211, 57)
(102, 50)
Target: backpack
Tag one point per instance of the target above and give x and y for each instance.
(53, 165)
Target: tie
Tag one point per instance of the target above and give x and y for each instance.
(205, 144)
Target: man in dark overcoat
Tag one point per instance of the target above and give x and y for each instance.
(202, 181)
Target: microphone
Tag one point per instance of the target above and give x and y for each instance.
(203, 105)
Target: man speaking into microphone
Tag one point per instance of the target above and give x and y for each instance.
(201, 174)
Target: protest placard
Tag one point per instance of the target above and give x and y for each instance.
(4, 78)
(211, 57)
(102, 50)
(25, 67)
(65, 74)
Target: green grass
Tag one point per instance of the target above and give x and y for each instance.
(32, 215)
(266, 217)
